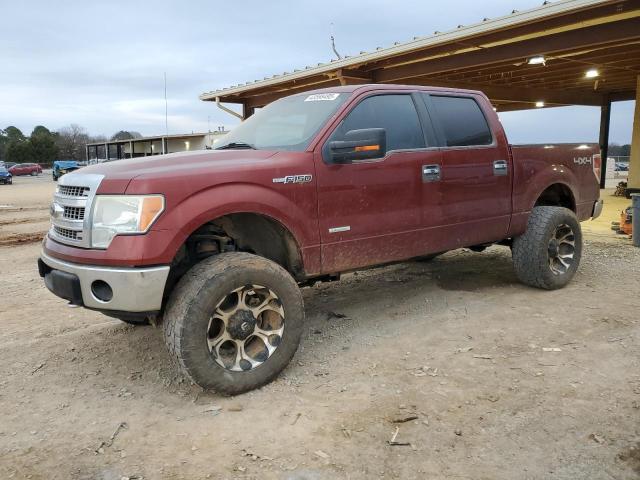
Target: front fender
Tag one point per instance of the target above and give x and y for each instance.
(296, 211)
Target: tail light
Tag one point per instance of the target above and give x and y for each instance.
(597, 166)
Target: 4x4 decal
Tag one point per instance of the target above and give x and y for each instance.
(582, 160)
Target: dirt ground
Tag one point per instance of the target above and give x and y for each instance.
(479, 376)
(24, 208)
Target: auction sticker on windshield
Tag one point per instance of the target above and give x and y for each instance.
(322, 97)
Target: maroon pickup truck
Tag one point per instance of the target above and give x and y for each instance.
(215, 244)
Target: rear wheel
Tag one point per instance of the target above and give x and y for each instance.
(547, 255)
(234, 322)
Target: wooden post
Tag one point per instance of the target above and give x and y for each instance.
(605, 121)
(633, 186)
(247, 111)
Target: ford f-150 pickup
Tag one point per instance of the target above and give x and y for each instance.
(312, 185)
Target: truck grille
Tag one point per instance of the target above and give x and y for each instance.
(72, 191)
(67, 233)
(73, 213)
(70, 222)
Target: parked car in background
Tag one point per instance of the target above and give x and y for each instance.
(26, 169)
(622, 167)
(5, 177)
(60, 167)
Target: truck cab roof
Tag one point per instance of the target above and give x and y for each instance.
(377, 86)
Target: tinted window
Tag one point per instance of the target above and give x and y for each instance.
(462, 121)
(395, 113)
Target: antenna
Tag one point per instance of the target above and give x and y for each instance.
(166, 107)
(333, 44)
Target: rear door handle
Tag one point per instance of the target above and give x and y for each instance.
(431, 173)
(500, 167)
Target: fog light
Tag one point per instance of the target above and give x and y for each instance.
(102, 291)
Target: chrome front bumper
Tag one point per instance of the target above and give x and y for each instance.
(597, 209)
(134, 289)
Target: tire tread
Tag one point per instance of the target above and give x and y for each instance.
(185, 293)
(530, 259)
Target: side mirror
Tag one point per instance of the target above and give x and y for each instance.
(363, 144)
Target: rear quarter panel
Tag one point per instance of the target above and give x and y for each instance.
(536, 167)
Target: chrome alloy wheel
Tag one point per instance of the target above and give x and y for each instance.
(562, 247)
(246, 328)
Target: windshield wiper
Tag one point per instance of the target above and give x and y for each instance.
(238, 145)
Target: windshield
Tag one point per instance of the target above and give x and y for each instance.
(286, 124)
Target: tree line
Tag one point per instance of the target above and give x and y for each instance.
(616, 150)
(44, 146)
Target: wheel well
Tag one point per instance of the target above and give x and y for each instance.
(239, 232)
(557, 195)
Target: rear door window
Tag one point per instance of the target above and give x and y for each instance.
(461, 121)
(395, 113)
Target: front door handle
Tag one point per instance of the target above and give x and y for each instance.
(431, 173)
(500, 167)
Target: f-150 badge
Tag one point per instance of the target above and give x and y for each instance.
(293, 179)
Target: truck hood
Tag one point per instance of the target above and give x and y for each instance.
(119, 173)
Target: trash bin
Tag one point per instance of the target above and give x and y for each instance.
(635, 208)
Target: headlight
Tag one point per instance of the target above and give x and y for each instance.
(121, 215)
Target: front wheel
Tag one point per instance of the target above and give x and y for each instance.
(234, 322)
(547, 255)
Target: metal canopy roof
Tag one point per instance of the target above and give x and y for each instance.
(572, 36)
(153, 138)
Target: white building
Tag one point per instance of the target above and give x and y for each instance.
(146, 146)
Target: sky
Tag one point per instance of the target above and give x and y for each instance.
(101, 64)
